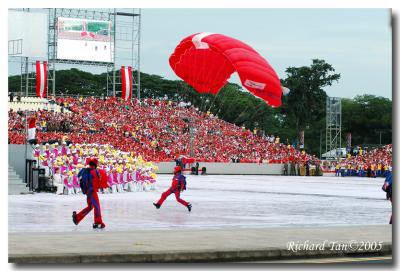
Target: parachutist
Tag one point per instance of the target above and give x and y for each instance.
(177, 186)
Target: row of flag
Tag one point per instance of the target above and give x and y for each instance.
(41, 80)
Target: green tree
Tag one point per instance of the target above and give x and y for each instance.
(368, 118)
(14, 83)
(305, 104)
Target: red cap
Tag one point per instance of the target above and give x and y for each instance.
(177, 169)
(94, 160)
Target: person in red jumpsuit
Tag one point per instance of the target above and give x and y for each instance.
(92, 198)
(176, 188)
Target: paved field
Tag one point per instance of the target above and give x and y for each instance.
(201, 245)
(374, 260)
(219, 202)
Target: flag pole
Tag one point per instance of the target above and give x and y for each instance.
(26, 139)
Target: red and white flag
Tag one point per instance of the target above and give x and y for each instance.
(41, 79)
(126, 78)
(31, 128)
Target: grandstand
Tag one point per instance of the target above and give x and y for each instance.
(157, 131)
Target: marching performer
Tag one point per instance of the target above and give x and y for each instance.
(91, 177)
(178, 185)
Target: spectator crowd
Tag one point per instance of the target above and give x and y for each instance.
(374, 163)
(156, 130)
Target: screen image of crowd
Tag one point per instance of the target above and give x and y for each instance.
(127, 137)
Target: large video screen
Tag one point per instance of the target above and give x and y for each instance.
(87, 40)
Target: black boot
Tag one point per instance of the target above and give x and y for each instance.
(74, 218)
(99, 226)
(157, 205)
(189, 207)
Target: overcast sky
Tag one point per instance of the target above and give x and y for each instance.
(357, 42)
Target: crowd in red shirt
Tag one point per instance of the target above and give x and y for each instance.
(377, 161)
(157, 130)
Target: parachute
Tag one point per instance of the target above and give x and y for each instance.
(206, 61)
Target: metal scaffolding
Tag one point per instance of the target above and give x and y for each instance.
(126, 34)
(333, 127)
(127, 27)
(28, 78)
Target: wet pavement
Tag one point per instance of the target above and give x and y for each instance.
(219, 202)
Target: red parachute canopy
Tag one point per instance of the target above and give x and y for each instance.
(206, 61)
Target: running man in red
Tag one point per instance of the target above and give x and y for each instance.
(93, 180)
(178, 185)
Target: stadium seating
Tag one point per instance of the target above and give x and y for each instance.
(34, 104)
(159, 131)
